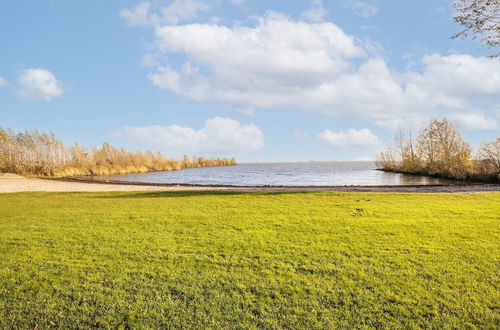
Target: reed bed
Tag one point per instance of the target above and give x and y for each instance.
(34, 153)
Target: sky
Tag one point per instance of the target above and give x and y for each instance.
(273, 80)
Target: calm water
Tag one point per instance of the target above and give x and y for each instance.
(281, 174)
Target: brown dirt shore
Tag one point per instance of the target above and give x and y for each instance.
(14, 183)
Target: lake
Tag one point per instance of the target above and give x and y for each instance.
(281, 174)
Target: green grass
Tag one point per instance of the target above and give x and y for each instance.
(297, 260)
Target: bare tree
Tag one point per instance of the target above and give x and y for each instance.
(490, 152)
(440, 150)
(480, 20)
(443, 149)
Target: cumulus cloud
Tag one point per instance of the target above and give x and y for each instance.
(316, 13)
(3, 82)
(39, 84)
(178, 10)
(275, 60)
(317, 67)
(361, 8)
(219, 136)
(351, 139)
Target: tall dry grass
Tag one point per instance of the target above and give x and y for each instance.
(34, 153)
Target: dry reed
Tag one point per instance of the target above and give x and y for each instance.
(33, 153)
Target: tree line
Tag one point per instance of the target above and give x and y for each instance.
(439, 150)
(35, 153)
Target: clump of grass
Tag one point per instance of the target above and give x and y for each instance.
(35, 153)
(227, 260)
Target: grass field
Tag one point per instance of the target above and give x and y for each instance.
(296, 260)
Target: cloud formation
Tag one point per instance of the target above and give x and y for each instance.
(351, 139)
(219, 136)
(275, 60)
(317, 67)
(3, 82)
(39, 84)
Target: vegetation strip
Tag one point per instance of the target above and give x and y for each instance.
(41, 154)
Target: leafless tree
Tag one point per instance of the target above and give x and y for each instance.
(490, 152)
(480, 20)
(443, 149)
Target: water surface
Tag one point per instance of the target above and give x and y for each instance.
(282, 174)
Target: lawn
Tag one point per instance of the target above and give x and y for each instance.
(295, 260)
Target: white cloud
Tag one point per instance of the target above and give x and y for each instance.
(175, 12)
(219, 136)
(316, 13)
(317, 67)
(475, 121)
(361, 8)
(275, 60)
(3, 82)
(351, 139)
(140, 15)
(39, 84)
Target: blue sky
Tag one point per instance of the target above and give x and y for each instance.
(267, 80)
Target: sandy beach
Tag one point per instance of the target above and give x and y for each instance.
(10, 183)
